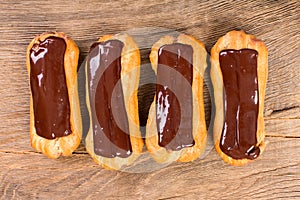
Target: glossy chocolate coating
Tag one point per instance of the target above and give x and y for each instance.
(239, 69)
(174, 117)
(49, 90)
(109, 117)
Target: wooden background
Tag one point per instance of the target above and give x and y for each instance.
(25, 174)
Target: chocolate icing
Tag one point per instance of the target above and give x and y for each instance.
(239, 69)
(49, 90)
(174, 117)
(109, 120)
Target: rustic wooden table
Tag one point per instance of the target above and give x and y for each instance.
(26, 174)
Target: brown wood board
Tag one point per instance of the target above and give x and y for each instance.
(25, 174)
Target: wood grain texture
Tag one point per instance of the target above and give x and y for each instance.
(274, 175)
(25, 174)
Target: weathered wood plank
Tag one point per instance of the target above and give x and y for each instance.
(277, 23)
(283, 128)
(276, 174)
(25, 174)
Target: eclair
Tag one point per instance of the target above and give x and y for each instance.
(112, 78)
(55, 120)
(176, 129)
(239, 69)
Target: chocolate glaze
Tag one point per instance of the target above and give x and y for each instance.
(49, 90)
(109, 121)
(239, 69)
(174, 117)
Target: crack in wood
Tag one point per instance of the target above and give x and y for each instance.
(284, 109)
(19, 152)
(270, 170)
(80, 152)
(271, 112)
(281, 118)
(172, 197)
(281, 136)
(35, 153)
